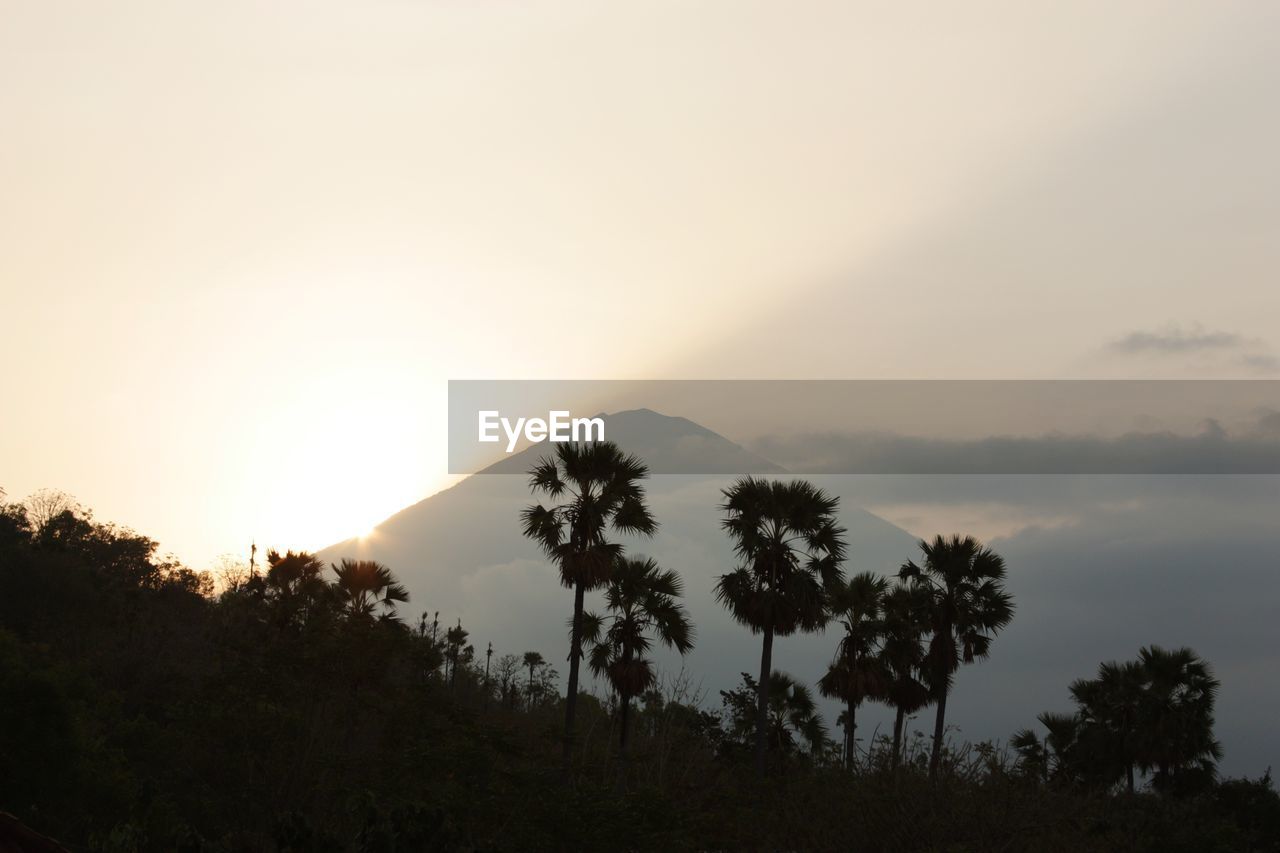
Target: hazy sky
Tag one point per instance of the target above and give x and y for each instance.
(245, 244)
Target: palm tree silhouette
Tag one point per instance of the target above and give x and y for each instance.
(365, 585)
(532, 660)
(1176, 717)
(597, 488)
(967, 607)
(293, 585)
(903, 652)
(1113, 702)
(643, 600)
(792, 714)
(858, 671)
(455, 638)
(790, 547)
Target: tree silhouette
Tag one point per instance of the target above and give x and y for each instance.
(455, 638)
(364, 586)
(790, 550)
(1110, 705)
(643, 604)
(293, 586)
(1153, 714)
(1176, 719)
(858, 671)
(532, 660)
(903, 653)
(596, 488)
(968, 606)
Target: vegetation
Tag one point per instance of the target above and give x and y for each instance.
(598, 490)
(144, 706)
(790, 550)
(966, 606)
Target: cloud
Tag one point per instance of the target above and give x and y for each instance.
(1212, 451)
(1175, 341)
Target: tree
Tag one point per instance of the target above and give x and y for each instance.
(455, 638)
(1033, 754)
(45, 505)
(293, 586)
(1176, 719)
(790, 547)
(643, 604)
(791, 715)
(858, 671)
(903, 652)
(532, 660)
(364, 586)
(1153, 714)
(968, 606)
(505, 671)
(1111, 704)
(596, 488)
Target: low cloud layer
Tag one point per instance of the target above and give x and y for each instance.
(1200, 343)
(1255, 450)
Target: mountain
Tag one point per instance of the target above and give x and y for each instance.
(460, 552)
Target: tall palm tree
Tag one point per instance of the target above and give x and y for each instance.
(364, 586)
(790, 550)
(595, 488)
(902, 650)
(532, 660)
(858, 671)
(968, 606)
(643, 602)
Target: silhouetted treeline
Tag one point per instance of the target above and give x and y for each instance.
(145, 706)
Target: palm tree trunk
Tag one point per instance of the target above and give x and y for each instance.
(1128, 759)
(898, 719)
(939, 729)
(850, 730)
(762, 698)
(575, 656)
(624, 722)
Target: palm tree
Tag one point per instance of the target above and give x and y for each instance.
(1061, 743)
(1033, 754)
(596, 488)
(364, 585)
(858, 672)
(792, 714)
(455, 638)
(1176, 717)
(293, 585)
(790, 547)
(532, 660)
(902, 650)
(643, 600)
(1112, 702)
(968, 606)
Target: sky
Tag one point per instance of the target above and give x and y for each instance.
(246, 245)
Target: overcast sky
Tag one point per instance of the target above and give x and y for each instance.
(246, 243)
